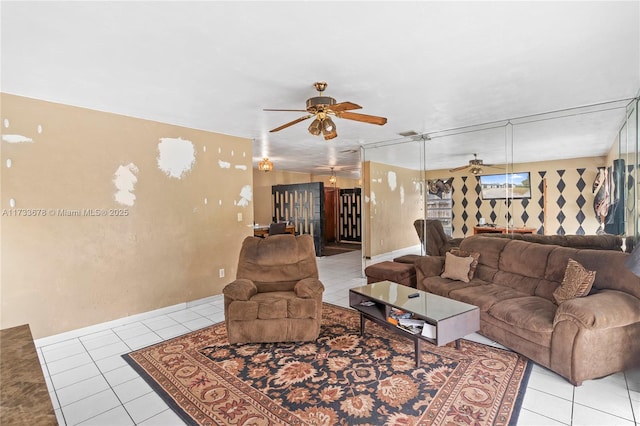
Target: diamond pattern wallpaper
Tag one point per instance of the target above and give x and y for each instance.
(569, 201)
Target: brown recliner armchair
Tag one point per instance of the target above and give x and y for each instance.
(437, 242)
(277, 296)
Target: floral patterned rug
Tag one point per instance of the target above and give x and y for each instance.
(340, 379)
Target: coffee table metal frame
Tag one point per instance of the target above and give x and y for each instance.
(451, 319)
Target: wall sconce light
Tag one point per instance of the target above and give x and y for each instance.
(265, 165)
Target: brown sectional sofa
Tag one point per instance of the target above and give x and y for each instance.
(580, 339)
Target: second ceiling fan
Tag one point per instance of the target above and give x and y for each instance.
(475, 166)
(322, 108)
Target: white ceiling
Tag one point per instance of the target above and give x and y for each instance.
(426, 66)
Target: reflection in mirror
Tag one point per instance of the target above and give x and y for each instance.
(393, 199)
(405, 179)
(472, 155)
(628, 137)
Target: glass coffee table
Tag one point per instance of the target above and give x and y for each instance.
(445, 320)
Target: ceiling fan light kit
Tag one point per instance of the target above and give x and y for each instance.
(315, 128)
(329, 128)
(322, 107)
(475, 166)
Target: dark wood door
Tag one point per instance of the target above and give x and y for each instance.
(330, 214)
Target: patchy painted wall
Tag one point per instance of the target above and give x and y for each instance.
(114, 215)
(392, 202)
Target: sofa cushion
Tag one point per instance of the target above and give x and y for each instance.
(277, 263)
(490, 250)
(521, 283)
(546, 288)
(576, 283)
(464, 253)
(274, 309)
(522, 266)
(302, 308)
(456, 267)
(526, 259)
(531, 317)
(443, 286)
(485, 296)
(242, 310)
(273, 304)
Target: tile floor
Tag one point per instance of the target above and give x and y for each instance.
(90, 384)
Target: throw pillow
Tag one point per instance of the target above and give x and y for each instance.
(577, 282)
(457, 268)
(464, 253)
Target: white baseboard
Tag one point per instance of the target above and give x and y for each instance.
(74, 334)
(210, 299)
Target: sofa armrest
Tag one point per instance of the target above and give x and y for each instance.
(606, 309)
(455, 242)
(240, 289)
(428, 266)
(308, 288)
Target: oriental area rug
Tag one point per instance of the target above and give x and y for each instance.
(340, 379)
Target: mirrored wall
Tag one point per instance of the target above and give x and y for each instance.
(626, 194)
(483, 179)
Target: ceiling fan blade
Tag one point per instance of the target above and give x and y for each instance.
(459, 168)
(372, 119)
(296, 110)
(344, 106)
(291, 123)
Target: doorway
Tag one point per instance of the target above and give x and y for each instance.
(331, 214)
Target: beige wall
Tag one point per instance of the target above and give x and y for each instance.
(392, 203)
(263, 181)
(64, 272)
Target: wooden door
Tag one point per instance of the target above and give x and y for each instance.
(330, 215)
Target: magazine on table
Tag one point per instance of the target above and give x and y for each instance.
(413, 326)
(399, 313)
(396, 314)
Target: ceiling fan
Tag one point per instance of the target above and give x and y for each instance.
(322, 108)
(476, 166)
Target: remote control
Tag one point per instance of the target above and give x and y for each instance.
(412, 295)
